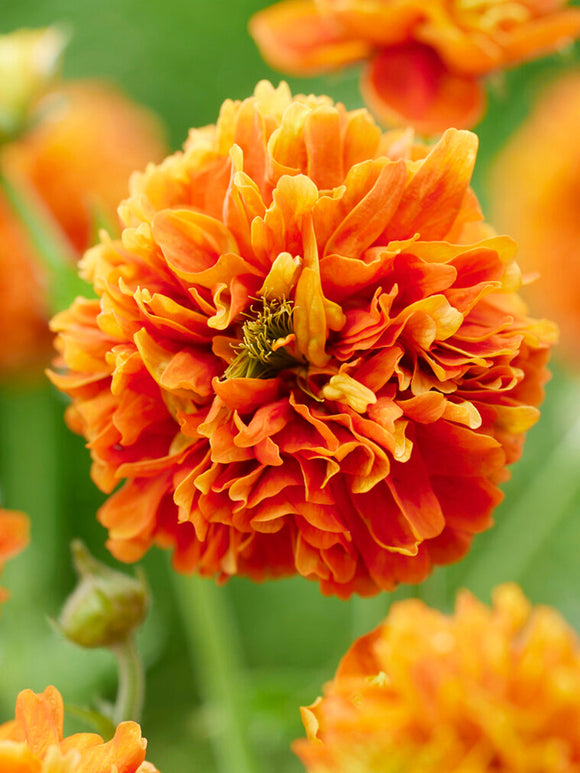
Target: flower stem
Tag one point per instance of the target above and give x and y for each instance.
(516, 540)
(214, 655)
(131, 691)
(46, 237)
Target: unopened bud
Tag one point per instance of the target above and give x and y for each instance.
(29, 62)
(105, 607)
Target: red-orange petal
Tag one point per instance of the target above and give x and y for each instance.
(410, 84)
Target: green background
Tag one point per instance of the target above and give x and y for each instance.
(182, 58)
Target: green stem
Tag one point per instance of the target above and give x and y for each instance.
(515, 542)
(131, 693)
(47, 239)
(214, 656)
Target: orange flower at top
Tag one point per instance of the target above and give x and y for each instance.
(483, 690)
(77, 160)
(307, 355)
(33, 742)
(425, 58)
(535, 193)
(13, 538)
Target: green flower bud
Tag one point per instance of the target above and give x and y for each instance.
(105, 607)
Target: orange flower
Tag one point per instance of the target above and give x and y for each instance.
(307, 356)
(535, 190)
(33, 742)
(13, 538)
(77, 160)
(425, 59)
(484, 690)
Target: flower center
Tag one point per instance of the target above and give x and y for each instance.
(267, 342)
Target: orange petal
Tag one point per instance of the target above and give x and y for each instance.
(380, 185)
(281, 278)
(461, 52)
(362, 657)
(14, 528)
(382, 23)
(246, 395)
(266, 421)
(17, 758)
(345, 389)
(191, 241)
(314, 314)
(388, 526)
(123, 753)
(293, 36)
(131, 511)
(322, 137)
(411, 488)
(434, 196)
(468, 502)
(409, 84)
(41, 718)
(542, 36)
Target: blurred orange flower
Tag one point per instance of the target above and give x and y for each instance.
(76, 161)
(13, 538)
(33, 742)
(483, 690)
(307, 356)
(425, 59)
(535, 193)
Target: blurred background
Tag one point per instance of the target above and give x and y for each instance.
(182, 58)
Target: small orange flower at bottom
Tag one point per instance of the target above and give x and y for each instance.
(483, 690)
(13, 538)
(33, 742)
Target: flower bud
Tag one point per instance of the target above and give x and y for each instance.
(29, 61)
(105, 607)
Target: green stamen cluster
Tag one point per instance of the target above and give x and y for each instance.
(256, 357)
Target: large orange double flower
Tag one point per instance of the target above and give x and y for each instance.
(425, 58)
(482, 690)
(307, 355)
(33, 742)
